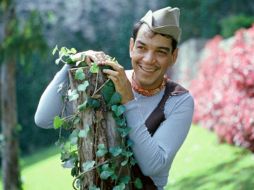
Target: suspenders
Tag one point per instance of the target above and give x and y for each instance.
(152, 123)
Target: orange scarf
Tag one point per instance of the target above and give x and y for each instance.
(146, 92)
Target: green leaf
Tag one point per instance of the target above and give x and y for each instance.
(129, 143)
(74, 140)
(138, 184)
(83, 133)
(73, 95)
(74, 133)
(125, 179)
(79, 74)
(133, 161)
(121, 186)
(65, 155)
(93, 187)
(118, 110)
(63, 51)
(115, 99)
(108, 91)
(72, 51)
(82, 106)
(124, 131)
(115, 151)
(105, 167)
(101, 150)
(67, 59)
(123, 163)
(88, 165)
(120, 121)
(76, 120)
(74, 137)
(67, 124)
(94, 68)
(58, 122)
(74, 171)
(57, 61)
(106, 174)
(82, 87)
(69, 163)
(127, 153)
(69, 159)
(54, 50)
(93, 103)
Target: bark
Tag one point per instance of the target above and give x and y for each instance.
(102, 131)
(11, 172)
(10, 165)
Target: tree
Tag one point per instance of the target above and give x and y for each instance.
(13, 48)
(11, 171)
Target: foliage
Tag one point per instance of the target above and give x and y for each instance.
(201, 19)
(26, 41)
(224, 89)
(28, 45)
(230, 24)
(108, 168)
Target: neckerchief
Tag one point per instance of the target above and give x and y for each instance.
(146, 92)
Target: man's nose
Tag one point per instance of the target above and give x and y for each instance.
(149, 57)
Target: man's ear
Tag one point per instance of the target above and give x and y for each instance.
(174, 56)
(131, 46)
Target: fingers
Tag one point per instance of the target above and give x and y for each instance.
(110, 72)
(114, 79)
(115, 66)
(98, 57)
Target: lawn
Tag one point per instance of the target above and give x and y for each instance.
(201, 164)
(43, 171)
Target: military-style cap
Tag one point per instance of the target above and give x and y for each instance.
(164, 21)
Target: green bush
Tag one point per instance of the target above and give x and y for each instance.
(232, 23)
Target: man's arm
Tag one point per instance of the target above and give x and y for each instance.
(51, 102)
(156, 153)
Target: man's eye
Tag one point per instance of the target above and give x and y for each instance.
(140, 47)
(162, 52)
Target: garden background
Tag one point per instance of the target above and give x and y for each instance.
(215, 62)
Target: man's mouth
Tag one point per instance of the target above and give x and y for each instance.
(148, 69)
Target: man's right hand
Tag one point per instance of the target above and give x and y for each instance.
(90, 56)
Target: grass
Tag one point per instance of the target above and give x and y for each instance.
(43, 171)
(201, 164)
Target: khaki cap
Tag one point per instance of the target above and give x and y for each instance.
(164, 21)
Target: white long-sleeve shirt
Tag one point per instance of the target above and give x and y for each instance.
(154, 154)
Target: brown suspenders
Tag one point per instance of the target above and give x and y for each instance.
(152, 123)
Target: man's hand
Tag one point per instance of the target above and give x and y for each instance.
(120, 80)
(116, 74)
(90, 56)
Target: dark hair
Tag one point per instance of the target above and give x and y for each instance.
(136, 28)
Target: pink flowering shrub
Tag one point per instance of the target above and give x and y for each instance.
(224, 89)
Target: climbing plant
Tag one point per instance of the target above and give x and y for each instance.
(97, 149)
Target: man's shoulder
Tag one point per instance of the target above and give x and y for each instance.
(173, 88)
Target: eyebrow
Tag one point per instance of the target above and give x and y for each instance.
(164, 48)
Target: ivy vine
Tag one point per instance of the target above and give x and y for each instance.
(107, 170)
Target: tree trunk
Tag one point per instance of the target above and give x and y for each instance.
(11, 172)
(10, 166)
(102, 131)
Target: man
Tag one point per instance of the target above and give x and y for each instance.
(158, 111)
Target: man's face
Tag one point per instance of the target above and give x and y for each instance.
(151, 55)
